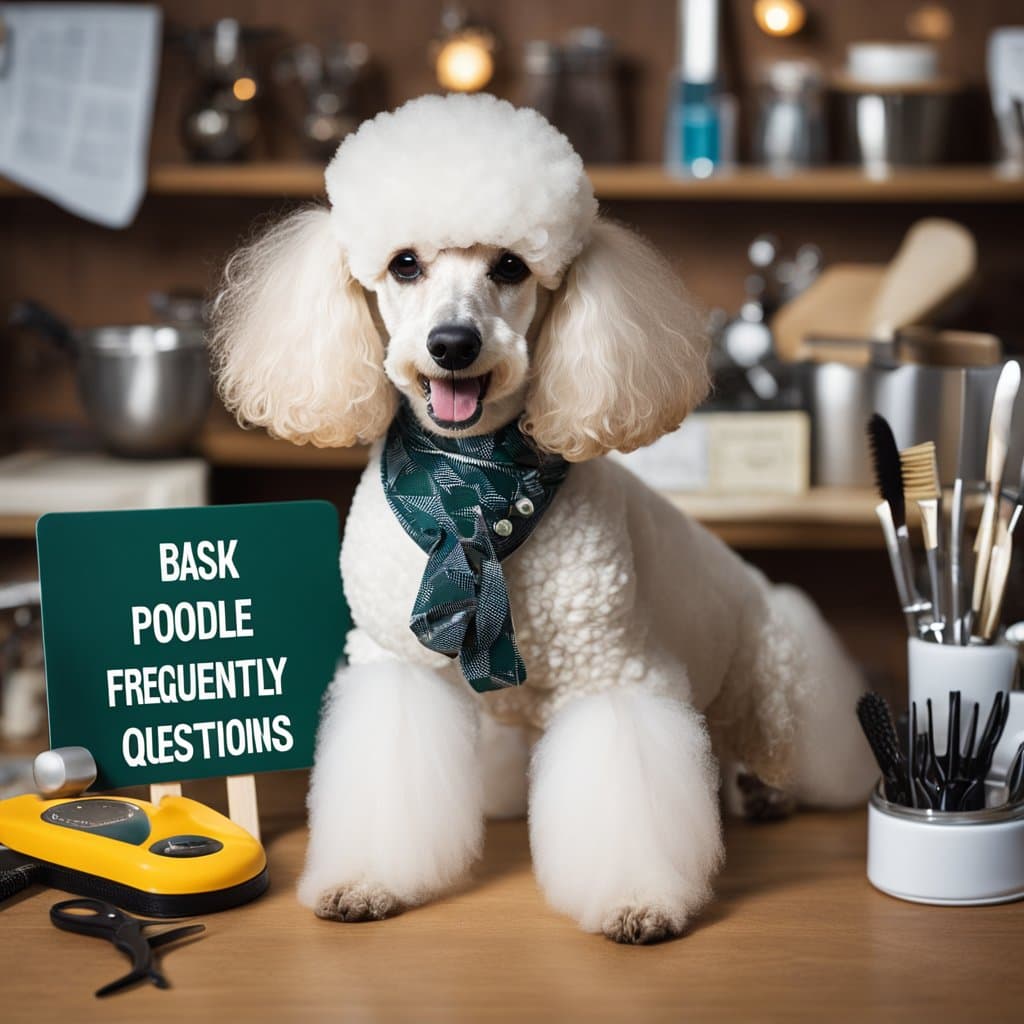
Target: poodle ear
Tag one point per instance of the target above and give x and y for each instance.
(621, 356)
(294, 345)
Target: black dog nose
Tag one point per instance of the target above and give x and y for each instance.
(454, 346)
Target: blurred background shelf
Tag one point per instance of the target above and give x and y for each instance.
(824, 518)
(961, 183)
(19, 526)
(224, 444)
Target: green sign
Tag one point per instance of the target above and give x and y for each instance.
(190, 643)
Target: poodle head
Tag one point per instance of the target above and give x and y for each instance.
(462, 264)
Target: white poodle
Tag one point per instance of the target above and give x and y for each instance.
(463, 278)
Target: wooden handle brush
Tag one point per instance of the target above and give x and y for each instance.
(995, 583)
(995, 463)
(921, 484)
(999, 564)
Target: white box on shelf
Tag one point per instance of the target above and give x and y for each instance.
(32, 483)
(730, 453)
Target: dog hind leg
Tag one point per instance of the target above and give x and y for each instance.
(624, 822)
(395, 800)
(832, 764)
(787, 713)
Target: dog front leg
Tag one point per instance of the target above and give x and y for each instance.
(395, 800)
(624, 821)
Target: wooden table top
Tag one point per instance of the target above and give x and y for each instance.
(796, 933)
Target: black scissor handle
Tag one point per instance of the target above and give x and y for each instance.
(88, 917)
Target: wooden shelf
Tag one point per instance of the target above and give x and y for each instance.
(224, 444)
(971, 184)
(821, 519)
(954, 184)
(825, 518)
(18, 526)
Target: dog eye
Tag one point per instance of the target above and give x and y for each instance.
(405, 266)
(509, 269)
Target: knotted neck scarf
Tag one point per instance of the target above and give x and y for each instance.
(468, 502)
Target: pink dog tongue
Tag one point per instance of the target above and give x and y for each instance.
(454, 401)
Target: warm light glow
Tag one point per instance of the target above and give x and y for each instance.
(932, 22)
(465, 63)
(244, 89)
(780, 17)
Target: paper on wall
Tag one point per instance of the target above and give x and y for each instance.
(76, 104)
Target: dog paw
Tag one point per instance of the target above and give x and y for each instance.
(640, 926)
(762, 802)
(356, 903)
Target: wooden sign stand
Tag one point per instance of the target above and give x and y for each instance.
(243, 808)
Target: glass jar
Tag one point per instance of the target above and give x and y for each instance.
(790, 124)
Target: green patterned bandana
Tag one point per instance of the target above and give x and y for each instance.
(468, 502)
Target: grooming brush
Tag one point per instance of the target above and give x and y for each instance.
(889, 479)
(884, 514)
(956, 523)
(999, 563)
(1018, 501)
(1015, 777)
(876, 720)
(980, 762)
(917, 799)
(995, 463)
(921, 484)
(995, 583)
(955, 781)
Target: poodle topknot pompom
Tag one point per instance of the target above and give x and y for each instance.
(457, 171)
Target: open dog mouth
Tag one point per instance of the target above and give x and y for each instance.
(455, 403)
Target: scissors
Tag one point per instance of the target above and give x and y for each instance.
(104, 921)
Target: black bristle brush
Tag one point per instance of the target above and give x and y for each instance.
(885, 455)
(876, 720)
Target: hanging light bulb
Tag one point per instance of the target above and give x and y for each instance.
(465, 63)
(244, 88)
(464, 53)
(780, 17)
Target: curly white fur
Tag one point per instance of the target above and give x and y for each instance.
(294, 346)
(395, 806)
(621, 359)
(624, 813)
(634, 622)
(455, 171)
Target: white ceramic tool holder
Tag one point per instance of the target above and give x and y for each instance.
(979, 673)
(952, 859)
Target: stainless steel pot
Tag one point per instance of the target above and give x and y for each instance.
(146, 387)
(922, 403)
(882, 128)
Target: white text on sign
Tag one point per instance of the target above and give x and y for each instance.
(237, 679)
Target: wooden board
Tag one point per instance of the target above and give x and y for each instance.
(795, 933)
(837, 305)
(243, 808)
